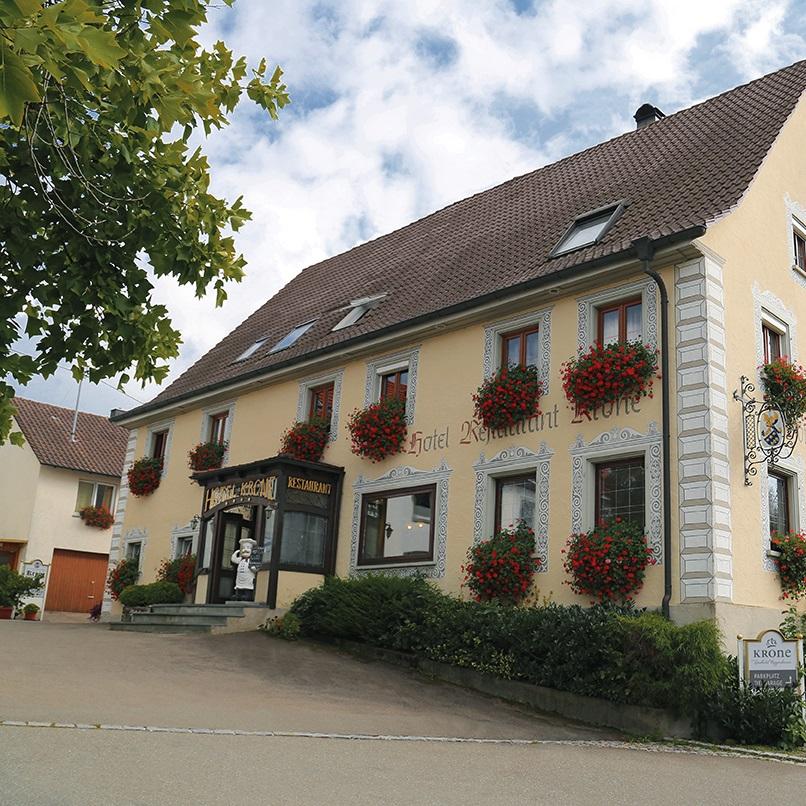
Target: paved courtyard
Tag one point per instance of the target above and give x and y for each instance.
(114, 684)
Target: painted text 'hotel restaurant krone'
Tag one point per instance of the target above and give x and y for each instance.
(708, 205)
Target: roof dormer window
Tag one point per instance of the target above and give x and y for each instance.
(358, 309)
(587, 229)
(292, 337)
(251, 350)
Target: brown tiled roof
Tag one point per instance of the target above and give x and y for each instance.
(100, 446)
(679, 173)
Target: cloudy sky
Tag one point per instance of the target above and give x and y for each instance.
(401, 108)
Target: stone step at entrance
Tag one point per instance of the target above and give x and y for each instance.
(193, 618)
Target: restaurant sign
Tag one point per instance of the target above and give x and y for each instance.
(241, 492)
(770, 660)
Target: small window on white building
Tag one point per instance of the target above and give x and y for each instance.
(92, 494)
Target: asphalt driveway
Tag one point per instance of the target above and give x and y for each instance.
(88, 674)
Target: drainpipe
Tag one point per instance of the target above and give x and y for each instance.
(645, 250)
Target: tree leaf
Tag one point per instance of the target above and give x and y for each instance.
(100, 47)
(16, 85)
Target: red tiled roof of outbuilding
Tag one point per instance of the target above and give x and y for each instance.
(99, 448)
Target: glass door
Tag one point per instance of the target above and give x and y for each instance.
(234, 526)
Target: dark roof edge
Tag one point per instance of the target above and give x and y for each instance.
(79, 470)
(554, 278)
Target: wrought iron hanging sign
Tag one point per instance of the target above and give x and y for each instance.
(767, 434)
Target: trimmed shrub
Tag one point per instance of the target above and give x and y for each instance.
(382, 610)
(768, 716)
(620, 654)
(286, 626)
(153, 593)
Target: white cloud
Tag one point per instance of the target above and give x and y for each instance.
(405, 107)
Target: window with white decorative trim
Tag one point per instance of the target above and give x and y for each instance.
(523, 340)
(393, 376)
(774, 336)
(798, 245)
(158, 442)
(321, 397)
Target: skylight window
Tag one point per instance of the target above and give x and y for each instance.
(359, 308)
(587, 229)
(292, 337)
(251, 350)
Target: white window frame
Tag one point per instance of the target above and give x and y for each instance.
(797, 227)
(541, 319)
(399, 478)
(95, 485)
(406, 360)
(304, 399)
(515, 461)
(588, 308)
(615, 445)
(155, 428)
(207, 416)
(135, 536)
(793, 469)
(777, 325)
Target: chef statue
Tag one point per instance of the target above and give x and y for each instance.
(245, 576)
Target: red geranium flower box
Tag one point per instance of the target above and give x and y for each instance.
(379, 430)
(306, 440)
(100, 517)
(144, 476)
(508, 397)
(791, 563)
(607, 373)
(609, 562)
(502, 568)
(785, 387)
(207, 456)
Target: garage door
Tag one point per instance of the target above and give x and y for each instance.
(77, 580)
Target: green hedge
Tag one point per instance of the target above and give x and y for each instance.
(153, 593)
(622, 655)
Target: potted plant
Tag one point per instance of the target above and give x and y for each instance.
(14, 588)
(125, 573)
(791, 562)
(207, 456)
(181, 571)
(785, 387)
(379, 430)
(99, 517)
(609, 562)
(608, 373)
(29, 611)
(306, 440)
(502, 568)
(144, 476)
(508, 397)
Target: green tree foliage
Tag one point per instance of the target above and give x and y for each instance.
(99, 187)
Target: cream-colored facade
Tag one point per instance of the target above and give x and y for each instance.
(722, 286)
(38, 504)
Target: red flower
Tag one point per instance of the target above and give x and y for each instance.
(379, 430)
(791, 563)
(99, 517)
(144, 476)
(605, 374)
(608, 562)
(508, 397)
(493, 574)
(207, 456)
(306, 440)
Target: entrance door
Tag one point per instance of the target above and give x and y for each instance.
(77, 581)
(233, 526)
